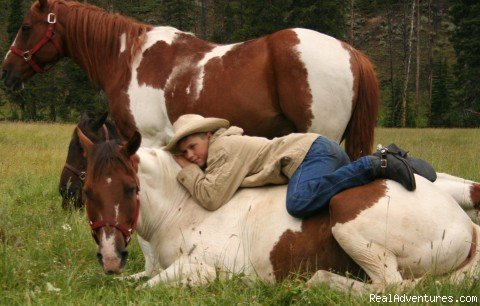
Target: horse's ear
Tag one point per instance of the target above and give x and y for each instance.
(133, 144)
(100, 121)
(84, 117)
(86, 143)
(43, 4)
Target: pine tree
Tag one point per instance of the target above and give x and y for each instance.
(308, 14)
(441, 95)
(179, 14)
(466, 17)
(228, 20)
(15, 19)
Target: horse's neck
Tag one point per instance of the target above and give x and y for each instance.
(104, 51)
(167, 208)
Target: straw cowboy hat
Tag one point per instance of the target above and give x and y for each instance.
(190, 124)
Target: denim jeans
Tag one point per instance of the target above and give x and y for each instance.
(325, 171)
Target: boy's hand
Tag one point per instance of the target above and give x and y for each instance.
(182, 161)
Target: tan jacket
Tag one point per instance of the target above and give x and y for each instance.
(237, 161)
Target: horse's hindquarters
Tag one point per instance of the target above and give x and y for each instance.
(412, 232)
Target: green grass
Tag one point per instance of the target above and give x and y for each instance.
(40, 243)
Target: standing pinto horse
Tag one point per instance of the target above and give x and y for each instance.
(294, 80)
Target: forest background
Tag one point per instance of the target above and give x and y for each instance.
(426, 53)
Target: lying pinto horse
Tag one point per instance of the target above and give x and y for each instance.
(465, 192)
(380, 228)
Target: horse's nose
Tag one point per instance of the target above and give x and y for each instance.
(11, 80)
(112, 265)
(100, 258)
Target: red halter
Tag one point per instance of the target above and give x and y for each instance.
(27, 55)
(127, 232)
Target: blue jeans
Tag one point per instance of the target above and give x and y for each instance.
(325, 171)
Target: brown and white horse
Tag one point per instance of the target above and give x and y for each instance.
(465, 192)
(380, 228)
(294, 80)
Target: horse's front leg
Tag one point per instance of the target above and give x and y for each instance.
(152, 266)
(182, 272)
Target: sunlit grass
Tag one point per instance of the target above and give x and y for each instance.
(40, 243)
(454, 151)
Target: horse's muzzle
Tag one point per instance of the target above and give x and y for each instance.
(113, 265)
(11, 80)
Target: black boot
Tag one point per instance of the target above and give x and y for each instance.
(419, 166)
(394, 167)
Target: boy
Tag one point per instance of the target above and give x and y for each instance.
(217, 159)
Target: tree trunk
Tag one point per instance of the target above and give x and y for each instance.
(417, 74)
(203, 18)
(390, 60)
(33, 110)
(430, 60)
(23, 110)
(53, 113)
(403, 118)
(352, 22)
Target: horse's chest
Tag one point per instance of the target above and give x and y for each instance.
(147, 106)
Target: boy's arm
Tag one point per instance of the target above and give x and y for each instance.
(217, 184)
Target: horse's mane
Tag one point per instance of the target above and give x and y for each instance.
(106, 155)
(86, 21)
(165, 169)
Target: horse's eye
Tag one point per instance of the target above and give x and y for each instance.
(130, 191)
(26, 29)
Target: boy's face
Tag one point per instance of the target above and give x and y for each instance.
(195, 148)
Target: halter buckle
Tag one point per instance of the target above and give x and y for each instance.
(82, 176)
(52, 18)
(27, 56)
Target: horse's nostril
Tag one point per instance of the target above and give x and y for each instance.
(4, 74)
(124, 256)
(99, 257)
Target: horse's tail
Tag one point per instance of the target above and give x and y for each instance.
(359, 134)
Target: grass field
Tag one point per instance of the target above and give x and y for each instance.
(47, 256)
